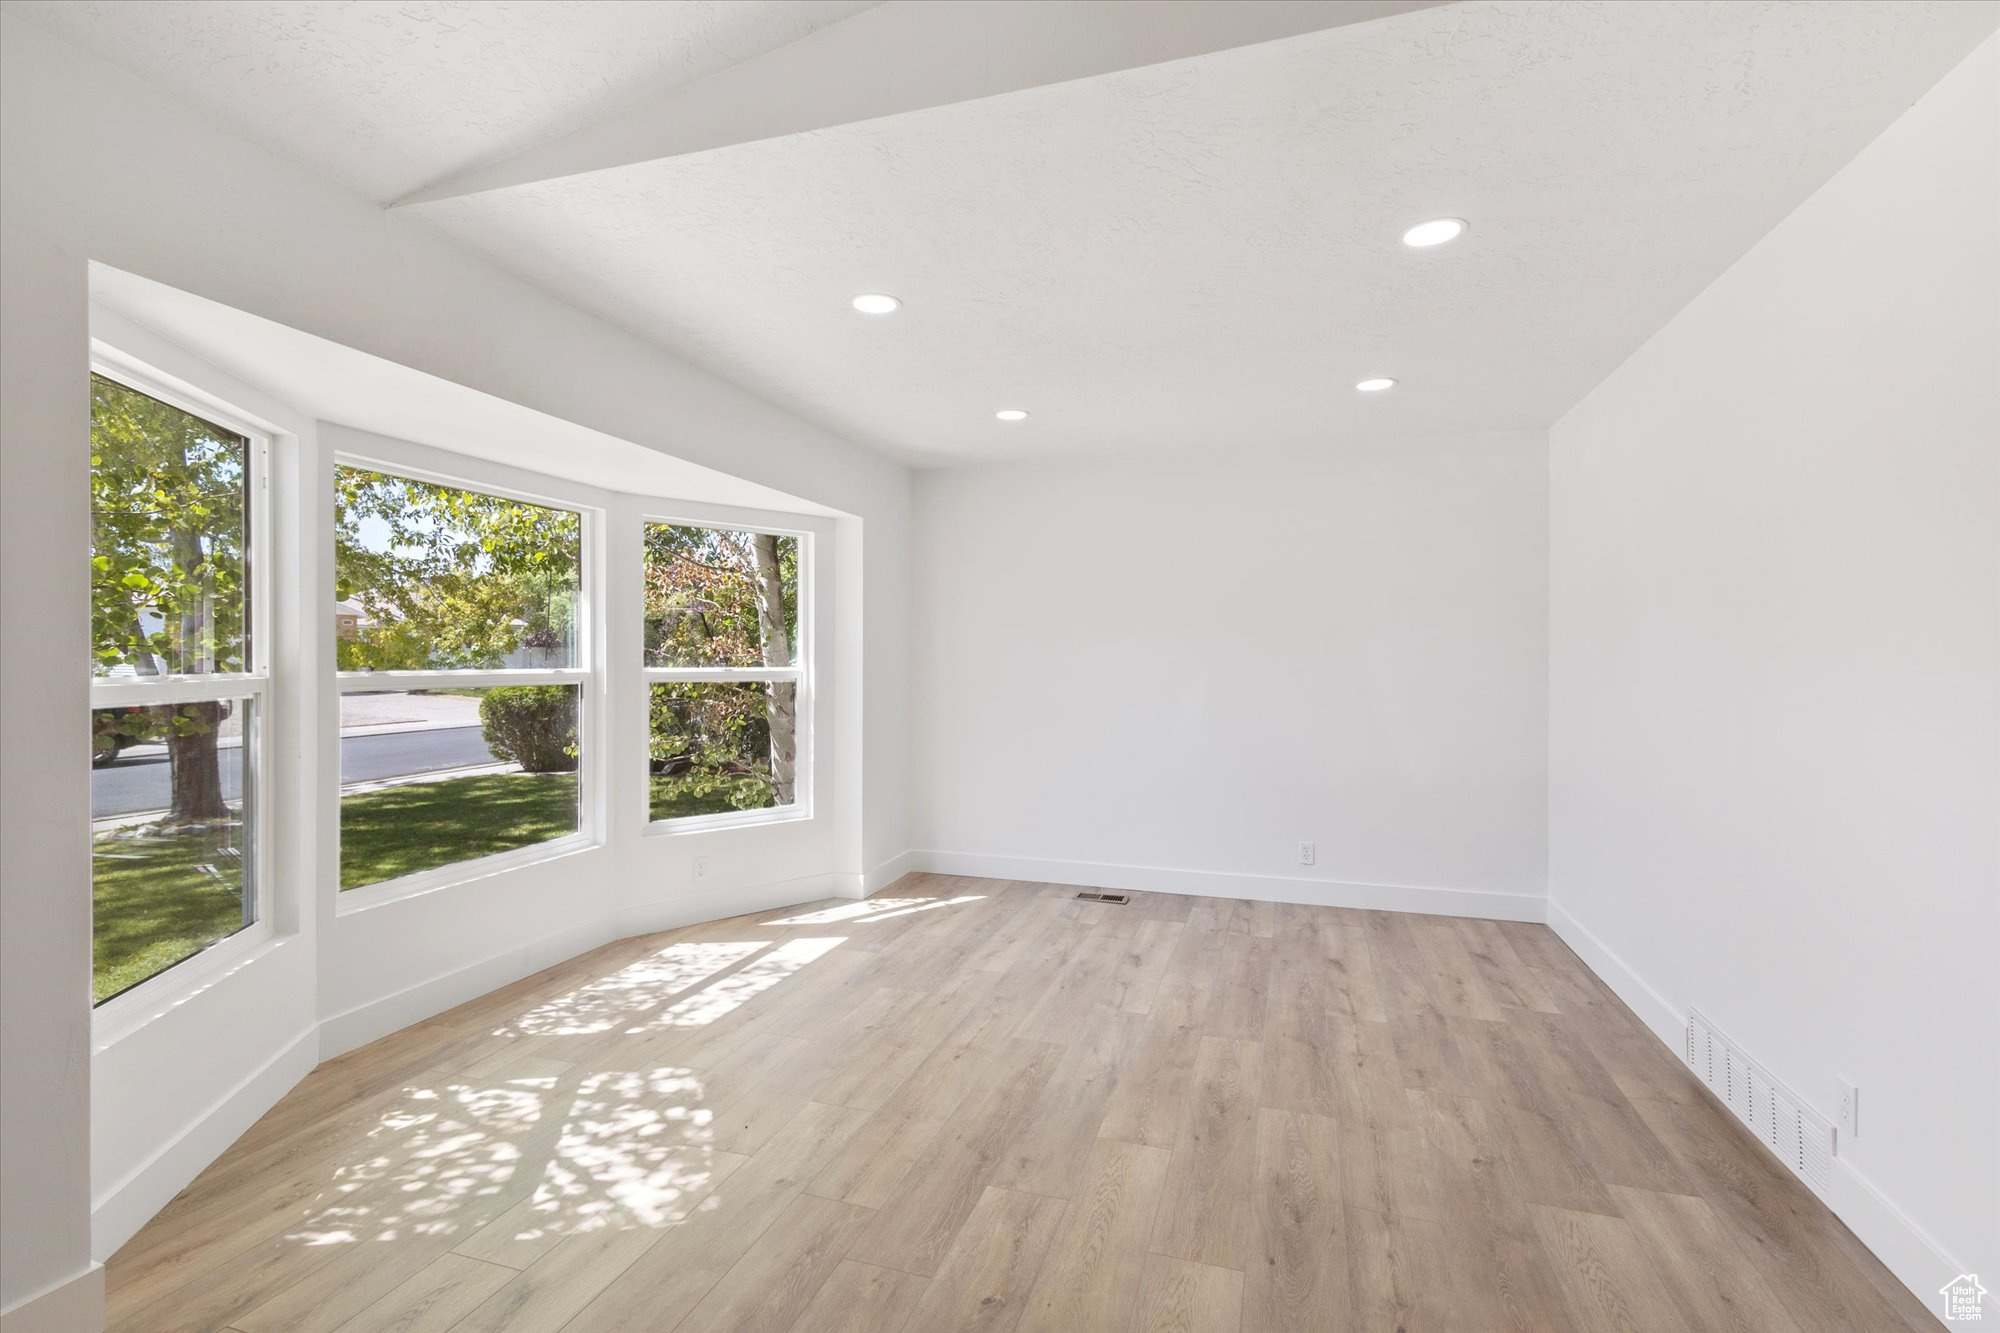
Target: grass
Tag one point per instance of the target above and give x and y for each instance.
(160, 900)
(157, 901)
(397, 831)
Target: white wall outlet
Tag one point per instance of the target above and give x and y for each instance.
(1850, 1109)
(701, 870)
(1308, 853)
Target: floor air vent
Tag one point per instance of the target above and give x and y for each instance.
(1093, 896)
(1801, 1139)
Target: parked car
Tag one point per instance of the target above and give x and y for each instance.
(113, 730)
(116, 730)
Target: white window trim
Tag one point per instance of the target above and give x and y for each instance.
(472, 678)
(133, 1007)
(467, 473)
(804, 704)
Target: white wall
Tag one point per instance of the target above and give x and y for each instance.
(1191, 666)
(99, 167)
(44, 808)
(1775, 670)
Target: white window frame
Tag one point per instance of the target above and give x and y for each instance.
(255, 684)
(585, 676)
(800, 674)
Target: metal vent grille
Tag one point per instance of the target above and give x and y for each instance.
(1093, 896)
(1801, 1138)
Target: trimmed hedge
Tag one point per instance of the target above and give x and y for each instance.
(531, 725)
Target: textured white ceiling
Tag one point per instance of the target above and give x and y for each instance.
(1205, 254)
(389, 95)
(1201, 254)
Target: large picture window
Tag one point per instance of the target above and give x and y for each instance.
(727, 696)
(457, 625)
(178, 683)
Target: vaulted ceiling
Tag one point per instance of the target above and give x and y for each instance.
(389, 97)
(1161, 228)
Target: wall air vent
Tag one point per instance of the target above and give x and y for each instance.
(1779, 1117)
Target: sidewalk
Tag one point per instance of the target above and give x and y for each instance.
(362, 715)
(382, 714)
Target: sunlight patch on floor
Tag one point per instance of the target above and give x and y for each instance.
(630, 1155)
(507, 1165)
(620, 1150)
(739, 988)
(845, 912)
(415, 1172)
(640, 988)
(922, 907)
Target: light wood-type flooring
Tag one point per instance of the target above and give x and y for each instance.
(975, 1104)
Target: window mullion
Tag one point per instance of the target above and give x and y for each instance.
(774, 675)
(145, 691)
(367, 682)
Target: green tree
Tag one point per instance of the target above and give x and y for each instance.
(722, 598)
(167, 568)
(450, 578)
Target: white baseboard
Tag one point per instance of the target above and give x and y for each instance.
(1904, 1247)
(74, 1306)
(378, 1018)
(128, 1205)
(1668, 1023)
(1223, 884)
(671, 913)
(882, 876)
(868, 883)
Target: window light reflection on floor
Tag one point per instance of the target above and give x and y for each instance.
(511, 1152)
(845, 912)
(924, 907)
(740, 987)
(636, 989)
(871, 910)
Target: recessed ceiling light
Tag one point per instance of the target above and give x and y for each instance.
(1376, 385)
(1011, 414)
(1435, 232)
(877, 303)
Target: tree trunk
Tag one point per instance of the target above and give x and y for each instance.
(781, 700)
(194, 765)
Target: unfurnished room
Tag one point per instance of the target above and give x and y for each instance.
(999, 666)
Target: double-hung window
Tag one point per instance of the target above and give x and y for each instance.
(461, 652)
(729, 721)
(179, 690)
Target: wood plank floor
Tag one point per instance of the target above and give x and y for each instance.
(975, 1104)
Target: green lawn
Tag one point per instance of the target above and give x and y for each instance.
(398, 831)
(160, 900)
(157, 900)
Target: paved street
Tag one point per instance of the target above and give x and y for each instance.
(137, 781)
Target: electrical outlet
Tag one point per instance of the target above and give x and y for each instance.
(1308, 853)
(1850, 1109)
(701, 870)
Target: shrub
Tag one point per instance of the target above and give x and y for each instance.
(531, 725)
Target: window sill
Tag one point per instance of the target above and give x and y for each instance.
(350, 901)
(154, 998)
(735, 819)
